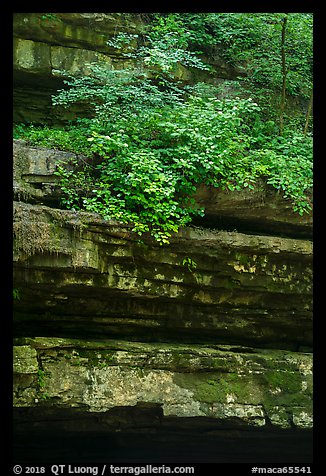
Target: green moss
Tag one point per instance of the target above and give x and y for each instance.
(217, 387)
(285, 388)
(289, 382)
(272, 388)
(41, 384)
(243, 259)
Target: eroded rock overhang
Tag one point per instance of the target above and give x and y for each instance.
(79, 274)
(49, 47)
(230, 384)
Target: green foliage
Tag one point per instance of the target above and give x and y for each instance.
(189, 263)
(41, 378)
(16, 294)
(41, 382)
(254, 40)
(163, 45)
(251, 41)
(50, 18)
(69, 138)
(150, 142)
(150, 149)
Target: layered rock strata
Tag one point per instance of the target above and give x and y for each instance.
(230, 384)
(80, 274)
(132, 344)
(48, 45)
(228, 338)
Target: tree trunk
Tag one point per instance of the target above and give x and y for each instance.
(284, 73)
(308, 114)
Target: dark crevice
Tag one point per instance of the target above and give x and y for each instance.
(66, 329)
(141, 434)
(251, 227)
(237, 225)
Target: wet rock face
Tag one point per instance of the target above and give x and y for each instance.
(225, 383)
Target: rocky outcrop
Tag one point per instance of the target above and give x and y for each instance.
(260, 210)
(141, 345)
(47, 44)
(245, 288)
(216, 325)
(225, 383)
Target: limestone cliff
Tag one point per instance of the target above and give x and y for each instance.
(107, 322)
(118, 336)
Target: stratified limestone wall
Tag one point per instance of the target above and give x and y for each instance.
(106, 321)
(45, 44)
(229, 384)
(80, 274)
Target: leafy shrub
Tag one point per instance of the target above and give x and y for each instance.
(69, 138)
(151, 142)
(254, 40)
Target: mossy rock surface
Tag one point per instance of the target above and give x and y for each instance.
(251, 386)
